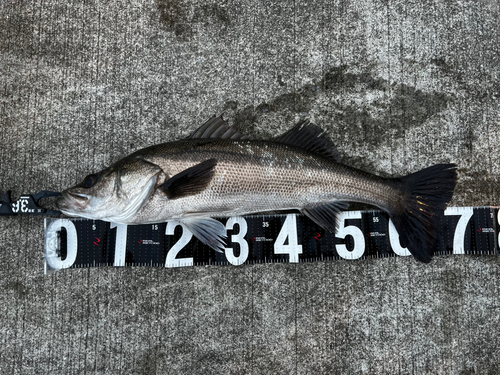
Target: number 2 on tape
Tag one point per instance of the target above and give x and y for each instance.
(172, 260)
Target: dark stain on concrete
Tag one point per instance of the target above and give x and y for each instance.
(16, 33)
(174, 16)
(211, 13)
(488, 89)
(146, 364)
(399, 108)
(246, 118)
(231, 105)
(467, 371)
(280, 80)
(480, 187)
(441, 63)
(179, 16)
(18, 287)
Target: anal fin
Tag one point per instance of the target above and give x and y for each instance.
(326, 216)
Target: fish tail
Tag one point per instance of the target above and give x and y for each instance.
(422, 200)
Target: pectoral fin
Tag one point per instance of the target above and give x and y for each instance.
(209, 231)
(190, 181)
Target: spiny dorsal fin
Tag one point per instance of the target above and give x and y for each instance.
(190, 181)
(326, 216)
(311, 137)
(218, 128)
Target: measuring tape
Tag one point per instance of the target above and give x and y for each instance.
(27, 204)
(82, 243)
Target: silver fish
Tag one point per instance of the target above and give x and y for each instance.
(218, 171)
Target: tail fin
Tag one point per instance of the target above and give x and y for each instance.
(426, 194)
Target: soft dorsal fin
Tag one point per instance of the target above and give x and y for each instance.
(311, 137)
(218, 128)
(190, 181)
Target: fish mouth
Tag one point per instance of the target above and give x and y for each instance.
(72, 201)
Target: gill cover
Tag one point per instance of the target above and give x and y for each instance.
(135, 181)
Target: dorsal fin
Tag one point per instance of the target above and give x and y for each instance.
(218, 128)
(311, 137)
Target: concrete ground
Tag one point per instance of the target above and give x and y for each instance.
(398, 85)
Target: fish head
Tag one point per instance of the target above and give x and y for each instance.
(115, 194)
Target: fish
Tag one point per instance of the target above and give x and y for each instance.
(220, 172)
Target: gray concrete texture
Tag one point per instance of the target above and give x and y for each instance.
(398, 85)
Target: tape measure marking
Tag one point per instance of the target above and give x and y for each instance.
(79, 243)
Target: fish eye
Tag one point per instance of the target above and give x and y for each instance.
(89, 181)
